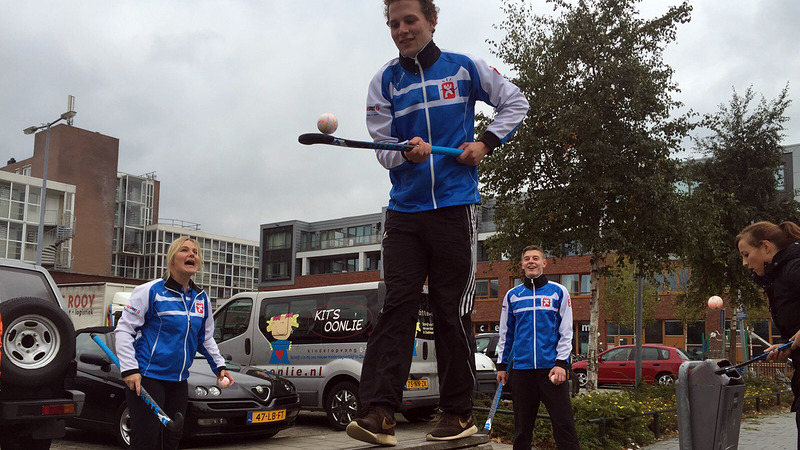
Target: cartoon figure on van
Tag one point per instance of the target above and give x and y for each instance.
(280, 327)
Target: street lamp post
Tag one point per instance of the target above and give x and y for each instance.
(30, 130)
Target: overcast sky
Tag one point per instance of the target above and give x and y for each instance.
(211, 95)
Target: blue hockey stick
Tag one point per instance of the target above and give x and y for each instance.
(170, 424)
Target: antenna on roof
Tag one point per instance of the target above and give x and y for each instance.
(70, 108)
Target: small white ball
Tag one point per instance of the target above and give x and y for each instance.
(715, 302)
(553, 379)
(327, 123)
(223, 383)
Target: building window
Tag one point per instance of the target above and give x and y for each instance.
(673, 281)
(279, 240)
(586, 284)
(486, 290)
(694, 339)
(576, 284)
(331, 239)
(359, 235)
(275, 271)
(673, 328)
(618, 334)
(653, 333)
(335, 264)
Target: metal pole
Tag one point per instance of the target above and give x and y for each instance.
(43, 201)
(638, 332)
(722, 327)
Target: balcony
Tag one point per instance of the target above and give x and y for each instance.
(345, 242)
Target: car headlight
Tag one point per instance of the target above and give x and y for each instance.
(200, 391)
(215, 391)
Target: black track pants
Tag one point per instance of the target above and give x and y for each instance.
(531, 387)
(438, 245)
(147, 432)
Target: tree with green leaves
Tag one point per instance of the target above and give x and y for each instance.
(620, 294)
(736, 184)
(591, 168)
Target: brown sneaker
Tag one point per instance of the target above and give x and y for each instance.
(452, 426)
(375, 427)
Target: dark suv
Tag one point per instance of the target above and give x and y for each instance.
(37, 348)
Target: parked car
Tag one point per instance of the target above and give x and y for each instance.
(486, 376)
(252, 406)
(660, 364)
(486, 343)
(37, 347)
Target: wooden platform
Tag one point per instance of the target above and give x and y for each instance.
(476, 441)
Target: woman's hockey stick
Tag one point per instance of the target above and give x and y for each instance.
(731, 369)
(319, 138)
(170, 424)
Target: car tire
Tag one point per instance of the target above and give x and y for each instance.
(582, 378)
(122, 419)
(38, 342)
(421, 414)
(342, 404)
(665, 378)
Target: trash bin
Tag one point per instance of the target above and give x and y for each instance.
(709, 406)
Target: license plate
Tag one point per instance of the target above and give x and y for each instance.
(266, 416)
(417, 384)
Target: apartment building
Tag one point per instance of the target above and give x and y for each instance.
(102, 224)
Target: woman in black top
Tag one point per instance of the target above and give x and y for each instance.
(772, 252)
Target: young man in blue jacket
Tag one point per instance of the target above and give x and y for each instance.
(536, 340)
(426, 96)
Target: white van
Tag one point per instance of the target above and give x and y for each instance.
(316, 337)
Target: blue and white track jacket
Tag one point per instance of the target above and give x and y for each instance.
(433, 96)
(174, 326)
(535, 326)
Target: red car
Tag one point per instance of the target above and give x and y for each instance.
(660, 364)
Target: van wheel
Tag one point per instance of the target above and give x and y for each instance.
(342, 404)
(38, 341)
(421, 414)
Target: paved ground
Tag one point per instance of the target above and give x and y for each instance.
(773, 432)
(310, 433)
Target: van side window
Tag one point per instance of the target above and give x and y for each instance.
(305, 309)
(268, 311)
(346, 316)
(233, 319)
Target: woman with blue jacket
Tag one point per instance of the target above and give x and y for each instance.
(173, 321)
